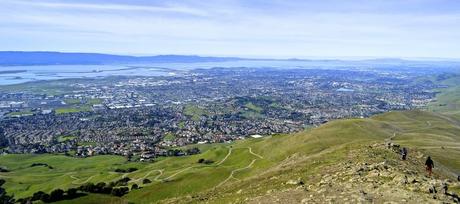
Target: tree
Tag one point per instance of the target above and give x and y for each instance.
(134, 186)
(132, 169)
(56, 195)
(107, 190)
(45, 198)
(37, 195)
(120, 191)
(72, 193)
(88, 187)
(98, 188)
(123, 181)
(146, 181)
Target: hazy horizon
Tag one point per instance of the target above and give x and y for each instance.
(268, 29)
(255, 57)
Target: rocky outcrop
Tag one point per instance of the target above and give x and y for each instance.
(371, 174)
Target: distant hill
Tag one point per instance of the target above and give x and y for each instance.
(59, 58)
(18, 58)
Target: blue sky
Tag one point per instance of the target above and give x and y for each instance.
(257, 28)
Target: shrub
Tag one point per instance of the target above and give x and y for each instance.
(56, 195)
(37, 195)
(146, 181)
(107, 190)
(120, 191)
(72, 193)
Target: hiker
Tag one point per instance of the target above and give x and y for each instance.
(429, 165)
(404, 153)
(445, 187)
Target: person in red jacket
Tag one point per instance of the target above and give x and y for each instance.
(429, 165)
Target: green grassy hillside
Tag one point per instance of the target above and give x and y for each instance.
(448, 99)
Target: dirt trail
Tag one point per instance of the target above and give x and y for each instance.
(226, 156)
(236, 170)
(241, 169)
(250, 151)
(77, 179)
(168, 178)
(148, 174)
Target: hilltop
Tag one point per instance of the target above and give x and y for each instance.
(348, 160)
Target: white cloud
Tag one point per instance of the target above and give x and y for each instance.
(276, 28)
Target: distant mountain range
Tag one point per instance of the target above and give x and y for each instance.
(17, 58)
(59, 58)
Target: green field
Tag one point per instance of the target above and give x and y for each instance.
(169, 137)
(64, 138)
(253, 107)
(73, 109)
(194, 111)
(55, 87)
(74, 105)
(20, 113)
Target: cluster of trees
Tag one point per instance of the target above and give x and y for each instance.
(41, 164)
(4, 199)
(54, 196)
(104, 188)
(192, 151)
(129, 170)
(118, 188)
(180, 152)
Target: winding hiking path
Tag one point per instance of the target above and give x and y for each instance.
(226, 156)
(157, 178)
(165, 179)
(148, 174)
(257, 155)
(77, 179)
(241, 169)
(236, 170)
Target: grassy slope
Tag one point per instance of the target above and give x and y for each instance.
(448, 100)
(282, 154)
(329, 144)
